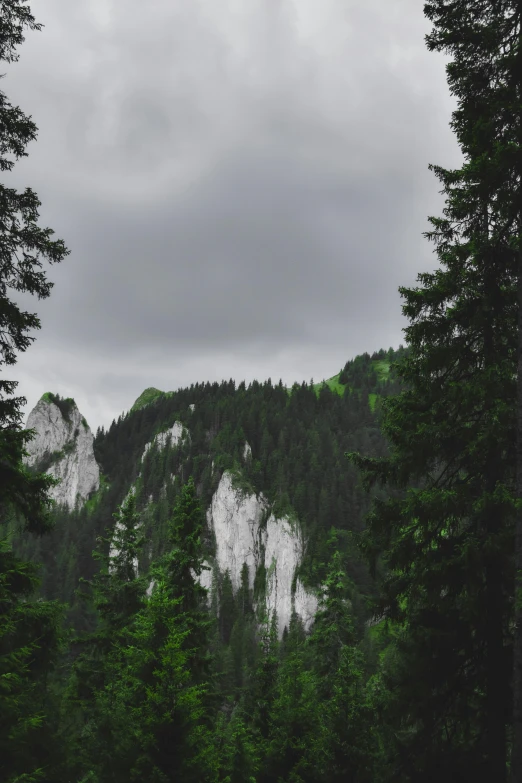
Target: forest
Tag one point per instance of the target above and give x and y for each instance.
(403, 472)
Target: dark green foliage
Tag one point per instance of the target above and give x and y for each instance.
(29, 629)
(447, 540)
(232, 677)
(140, 686)
(485, 74)
(151, 705)
(179, 568)
(29, 648)
(446, 531)
(117, 594)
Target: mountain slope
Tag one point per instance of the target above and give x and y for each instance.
(279, 450)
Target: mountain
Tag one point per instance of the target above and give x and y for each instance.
(269, 467)
(63, 447)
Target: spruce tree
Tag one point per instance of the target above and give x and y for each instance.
(294, 716)
(29, 635)
(180, 568)
(116, 593)
(154, 713)
(447, 539)
(341, 749)
(485, 40)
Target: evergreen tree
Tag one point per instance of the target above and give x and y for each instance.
(29, 647)
(341, 748)
(261, 695)
(180, 569)
(154, 709)
(117, 594)
(158, 672)
(239, 753)
(447, 541)
(29, 635)
(294, 716)
(485, 40)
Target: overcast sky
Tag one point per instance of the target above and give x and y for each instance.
(243, 186)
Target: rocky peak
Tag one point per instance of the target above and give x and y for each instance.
(63, 447)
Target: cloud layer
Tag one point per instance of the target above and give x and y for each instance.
(243, 187)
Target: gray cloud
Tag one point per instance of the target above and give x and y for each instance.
(243, 187)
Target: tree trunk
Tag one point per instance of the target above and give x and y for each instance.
(516, 753)
(496, 713)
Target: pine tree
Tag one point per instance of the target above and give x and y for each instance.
(485, 40)
(448, 539)
(29, 647)
(160, 668)
(29, 635)
(180, 568)
(261, 694)
(227, 608)
(156, 712)
(341, 749)
(22, 246)
(117, 594)
(239, 753)
(294, 716)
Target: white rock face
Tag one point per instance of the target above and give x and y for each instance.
(77, 469)
(306, 605)
(192, 407)
(283, 553)
(175, 435)
(205, 578)
(236, 521)
(247, 451)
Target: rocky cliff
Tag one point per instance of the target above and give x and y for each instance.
(63, 447)
(244, 527)
(246, 532)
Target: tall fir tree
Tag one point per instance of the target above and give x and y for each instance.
(485, 40)
(452, 435)
(159, 671)
(341, 749)
(29, 635)
(117, 593)
(181, 568)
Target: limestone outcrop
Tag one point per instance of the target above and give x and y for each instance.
(244, 535)
(175, 434)
(63, 447)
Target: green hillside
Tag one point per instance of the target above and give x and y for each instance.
(147, 397)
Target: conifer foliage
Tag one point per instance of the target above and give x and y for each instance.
(29, 630)
(447, 533)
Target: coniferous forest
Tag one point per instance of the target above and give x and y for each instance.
(404, 473)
